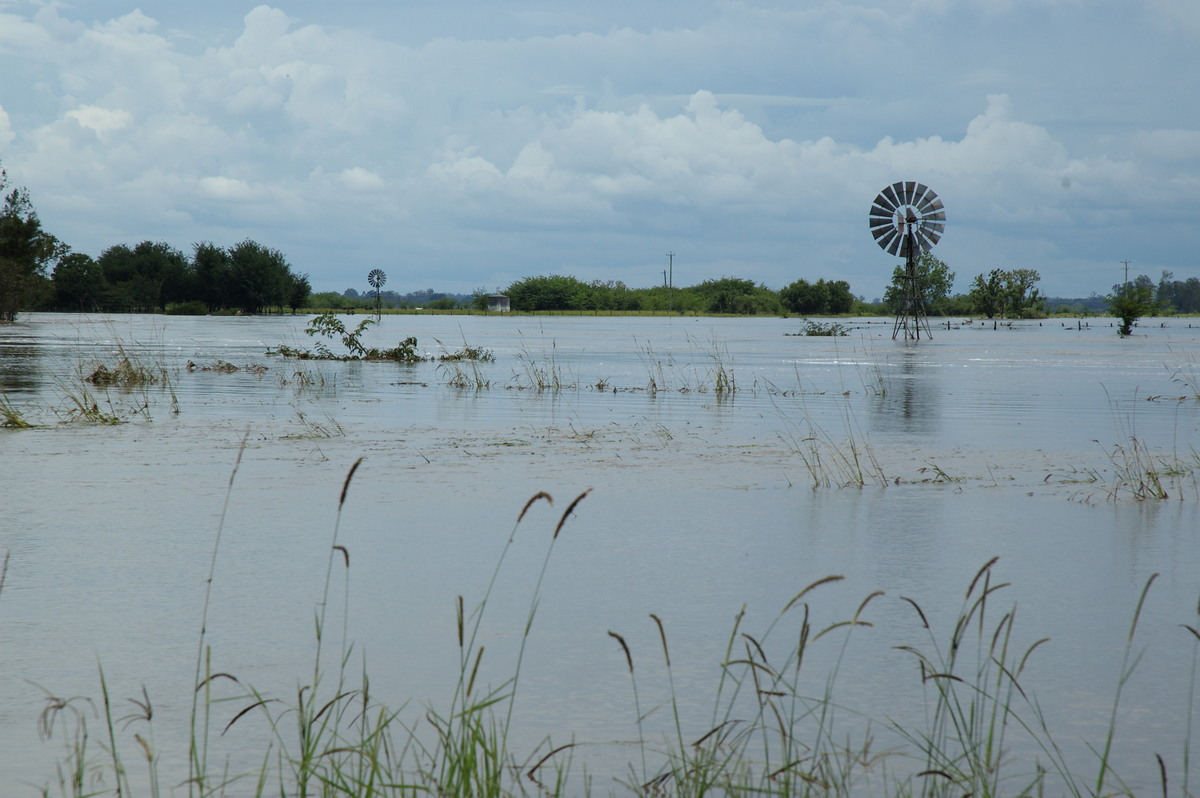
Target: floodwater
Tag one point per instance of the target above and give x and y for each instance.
(902, 467)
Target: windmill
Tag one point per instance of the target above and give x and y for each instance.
(377, 278)
(907, 219)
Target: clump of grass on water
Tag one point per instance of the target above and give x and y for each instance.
(543, 373)
(127, 374)
(1141, 475)
(124, 373)
(829, 462)
(11, 416)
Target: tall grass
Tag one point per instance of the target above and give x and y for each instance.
(830, 462)
(782, 721)
(1140, 474)
(11, 416)
(541, 372)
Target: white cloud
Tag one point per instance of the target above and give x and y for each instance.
(357, 178)
(230, 189)
(101, 121)
(756, 135)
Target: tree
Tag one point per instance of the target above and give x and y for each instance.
(479, 299)
(146, 278)
(1004, 293)
(214, 275)
(552, 292)
(987, 294)
(1131, 301)
(1021, 296)
(737, 296)
(79, 283)
(1180, 296)
(300, 291)
(261, 277)
(25, 251)
(825, 298)
(934, 280)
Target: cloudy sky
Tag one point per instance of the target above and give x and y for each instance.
(462, 144)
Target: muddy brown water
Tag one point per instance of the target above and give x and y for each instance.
(979, 443)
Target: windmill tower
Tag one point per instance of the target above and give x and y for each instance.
(377, 278)
(907, 219)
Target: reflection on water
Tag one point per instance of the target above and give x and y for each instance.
(992, 443)
(910, 405)
(20, 366)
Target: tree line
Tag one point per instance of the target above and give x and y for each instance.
(39, 272)
(1009, 294)
(727, 295)
(1001, 293)
(156, 277)
(250, 277)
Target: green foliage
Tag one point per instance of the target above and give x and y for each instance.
(728, 295)
(145, 278)
(328, 325)
(987, 294)
(1008, 294)
(1132, 301)
(479, 299)
(1024, 300)
(299, 291)
(193, 307)
(821, 329)
(25, 252)
(734, 295)
(821, 298)
(1179, 296)
(934, 281)
(214, 276)
(78, 282)
(332, 300)
(152, 276)
(561, 292)
(444, 303)
(551, 292)
(261, 276)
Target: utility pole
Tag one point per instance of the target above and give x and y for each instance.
(670, 282)
(1125, 285)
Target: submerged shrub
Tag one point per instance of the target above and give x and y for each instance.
(816, 328)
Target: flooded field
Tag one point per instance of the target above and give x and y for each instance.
(730, 463)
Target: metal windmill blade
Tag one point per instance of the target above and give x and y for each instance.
(907, 214)
(906, 219)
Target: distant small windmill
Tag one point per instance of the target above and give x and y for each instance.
(377, 278)
(907, 219)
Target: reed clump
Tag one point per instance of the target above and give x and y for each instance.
(127, 370)
(11, 416)
(1140, 474)
(830, 462)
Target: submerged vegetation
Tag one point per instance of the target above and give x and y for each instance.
(783, 722)
(129, 384)
(828, 329)
(328, 325)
